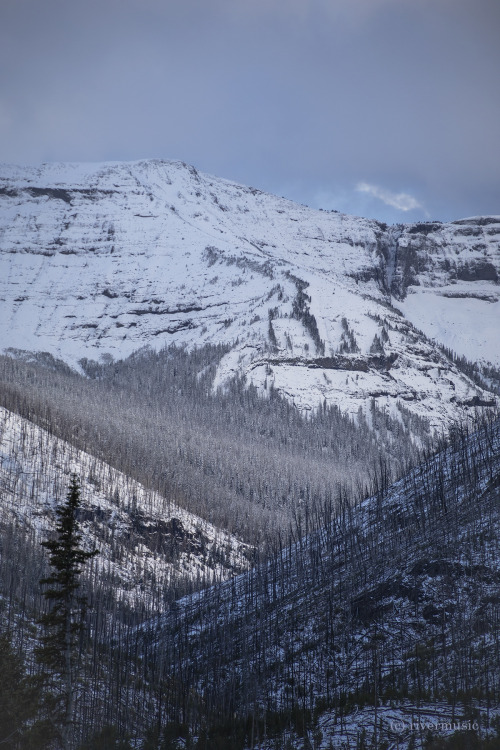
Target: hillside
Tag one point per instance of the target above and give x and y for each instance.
(374, 621)
(97, 261)
(387, 615)
(245, 463)
(148, 547)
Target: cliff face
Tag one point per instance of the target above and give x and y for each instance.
(100, 260)
(446, 255)
(446, 281)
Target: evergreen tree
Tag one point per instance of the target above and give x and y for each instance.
(63, 622)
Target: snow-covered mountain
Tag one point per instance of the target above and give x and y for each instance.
(100, 260)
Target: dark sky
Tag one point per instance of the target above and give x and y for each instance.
(384, 108)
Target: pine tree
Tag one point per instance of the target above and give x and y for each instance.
(64, 620)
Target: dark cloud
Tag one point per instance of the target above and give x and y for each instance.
(307, 98)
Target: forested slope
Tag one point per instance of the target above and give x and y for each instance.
(365, 612)
(387, 611)
(149, 548)
(246, 463)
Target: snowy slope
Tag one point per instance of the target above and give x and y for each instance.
(99, 260)
(145, 542)
(406, 582)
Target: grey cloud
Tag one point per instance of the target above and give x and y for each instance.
(313, 95)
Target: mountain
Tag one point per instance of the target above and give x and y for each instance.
(100, 260)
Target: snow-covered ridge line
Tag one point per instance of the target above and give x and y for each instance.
(145, 540)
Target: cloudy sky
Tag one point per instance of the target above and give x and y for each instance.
(384, 108)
